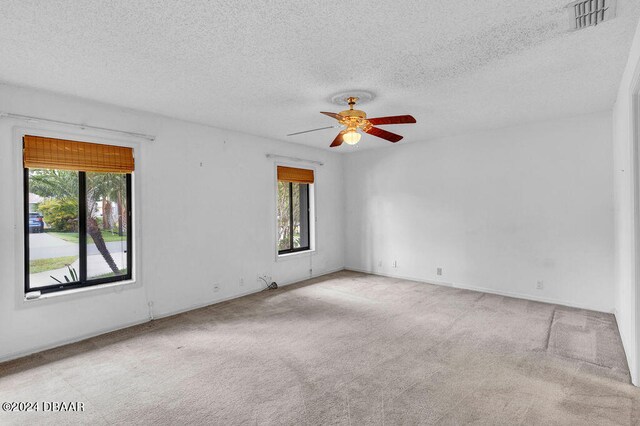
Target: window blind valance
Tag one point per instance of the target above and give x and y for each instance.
(49, 153)
(292, 174)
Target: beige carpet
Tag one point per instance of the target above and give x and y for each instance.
(347, 348)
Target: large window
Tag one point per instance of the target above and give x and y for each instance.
(77, 214)
(294, 227)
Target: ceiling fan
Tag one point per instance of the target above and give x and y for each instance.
(354, 120)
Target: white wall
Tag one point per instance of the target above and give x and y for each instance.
(199, 225)
(626, 188)
(497, 210)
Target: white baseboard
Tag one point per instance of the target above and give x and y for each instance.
(63, 342)
(471, 287)
(628, 344)
(399, 276)
(171, 313)
(238, 295)
(331, 271)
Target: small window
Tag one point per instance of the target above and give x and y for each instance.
(294, 225)
(77, 214)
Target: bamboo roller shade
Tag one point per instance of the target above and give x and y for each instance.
(292, 174)
(48, 153)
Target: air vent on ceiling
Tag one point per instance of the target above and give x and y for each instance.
(587, 13)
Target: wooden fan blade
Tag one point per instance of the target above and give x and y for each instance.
(312, 130)
(332, 115)
(338, 140)
(396, 119)
(391, 137)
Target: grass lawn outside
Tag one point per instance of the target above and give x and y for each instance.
(42, 265)
(74, 237)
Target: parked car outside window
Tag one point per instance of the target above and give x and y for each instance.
(36, 222)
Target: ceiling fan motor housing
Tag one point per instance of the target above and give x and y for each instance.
(353, 113)
(353, 118)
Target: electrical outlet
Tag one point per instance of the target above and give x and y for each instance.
(379, 263)
(395, 263)
(540, 285)
(216, 288)
(241, 282)
(439, 271)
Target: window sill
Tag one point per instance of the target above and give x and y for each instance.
(62, 293)
(287, 256)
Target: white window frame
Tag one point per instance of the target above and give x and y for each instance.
(54, 131)
(312, 212)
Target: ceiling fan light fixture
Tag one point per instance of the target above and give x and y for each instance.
(351, 137)
(354, 119)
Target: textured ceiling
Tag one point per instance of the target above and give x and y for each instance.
(268, 67)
